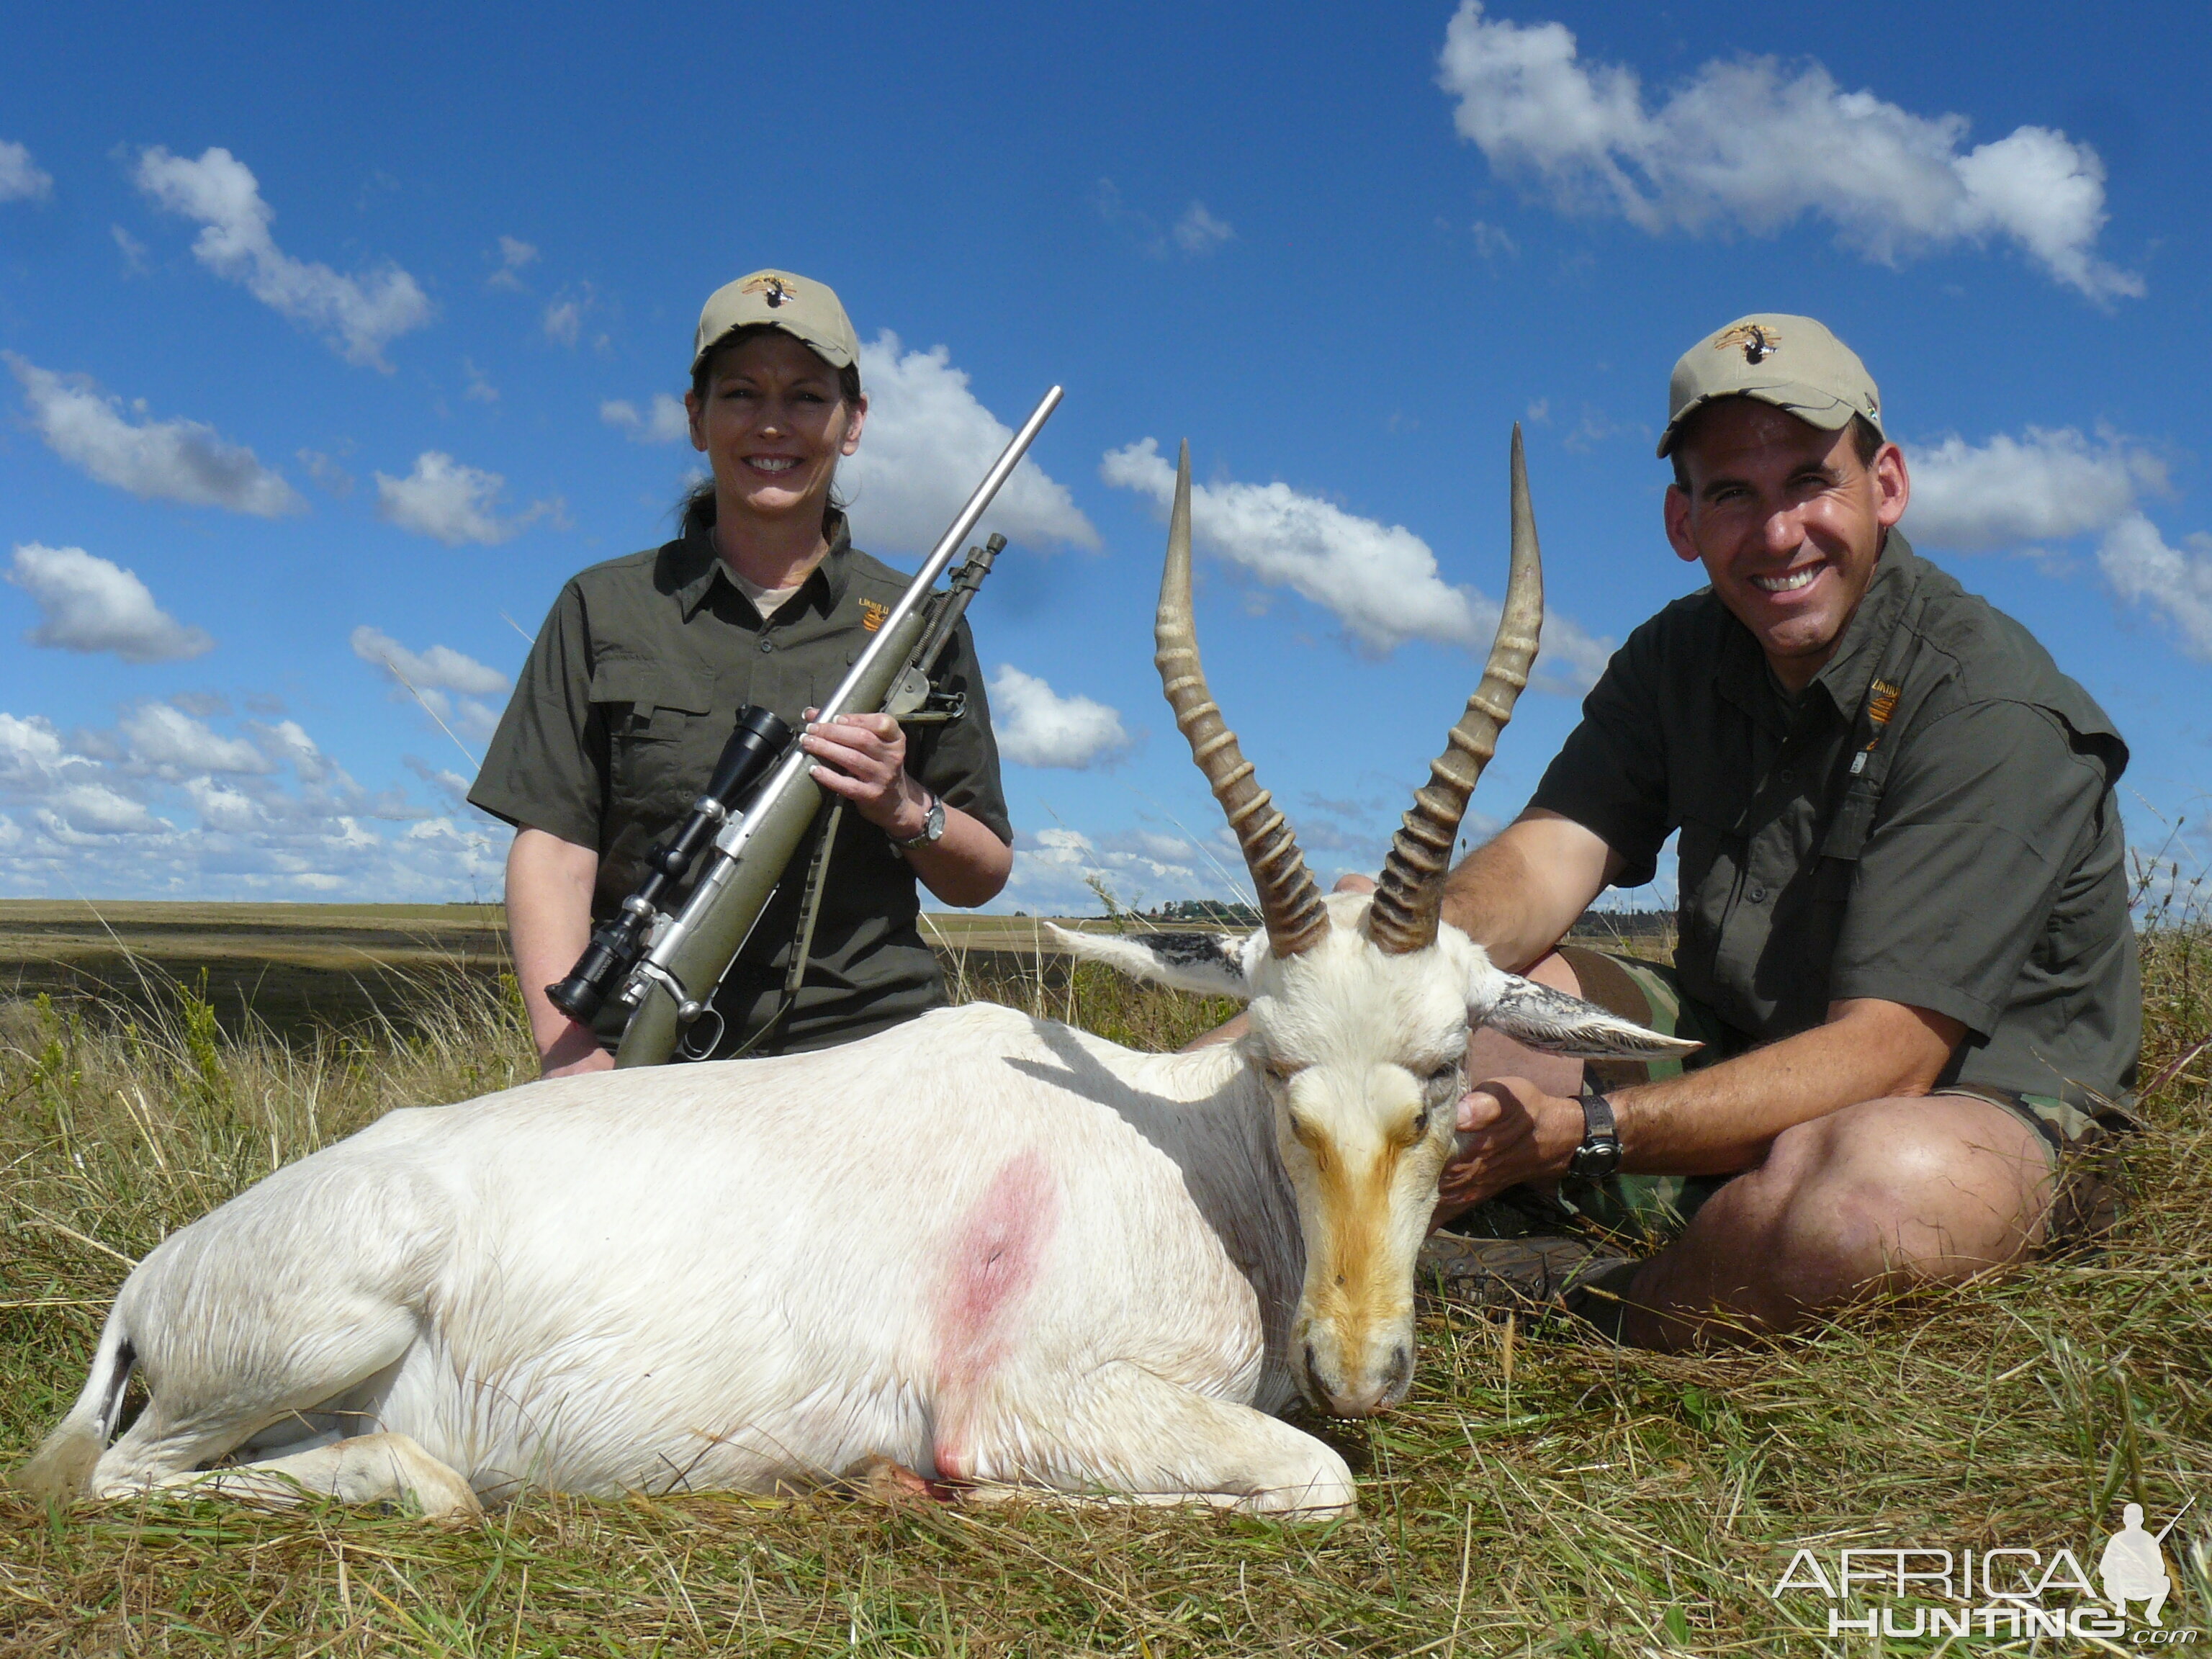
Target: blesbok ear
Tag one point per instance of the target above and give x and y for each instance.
(1556, 1023)
(1212, 964)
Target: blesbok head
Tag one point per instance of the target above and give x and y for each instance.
(1360, 1005)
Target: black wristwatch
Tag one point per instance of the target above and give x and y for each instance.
(932, 826)
(1599, 1156)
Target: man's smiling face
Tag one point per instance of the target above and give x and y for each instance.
(1788, 522)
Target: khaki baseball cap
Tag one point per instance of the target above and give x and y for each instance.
(1792, 362)
(806, 310)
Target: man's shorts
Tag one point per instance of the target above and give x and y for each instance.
(1644, 1213)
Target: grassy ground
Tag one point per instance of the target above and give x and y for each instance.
(1535, 1496)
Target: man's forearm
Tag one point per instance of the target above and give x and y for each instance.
(1720, 1120)
(1517, 895)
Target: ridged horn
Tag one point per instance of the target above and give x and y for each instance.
(1404, 915)
(1289, 902)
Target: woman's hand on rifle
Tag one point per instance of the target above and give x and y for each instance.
(862, 758)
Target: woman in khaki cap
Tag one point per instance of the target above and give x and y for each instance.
(631, 685)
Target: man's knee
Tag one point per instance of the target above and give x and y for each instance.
(1940, 1186)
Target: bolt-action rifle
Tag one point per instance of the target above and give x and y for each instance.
(664, 953)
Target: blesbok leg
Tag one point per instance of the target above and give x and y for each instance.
(368, 1468)
(1122, 1435)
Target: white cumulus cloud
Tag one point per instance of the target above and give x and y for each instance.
(177, 460)
(513, 254)
(1037, 726)
(173, 743)
(440, 668)
(928, 443)
(2045, 485)
(1748, 143)
(223, 807)
(663, 421)
(446, 683)
(358, 315)
(450, 502)
(94, 809)
(31, 753)
(89, 603)
(22, 180)
(1199, 231)
(2143, 571)
(1379, 580)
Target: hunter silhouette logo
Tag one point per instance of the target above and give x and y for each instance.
(1758, 342)
(773, 289)
(2133, 1566)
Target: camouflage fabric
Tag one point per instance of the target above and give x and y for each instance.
(1644, 1213)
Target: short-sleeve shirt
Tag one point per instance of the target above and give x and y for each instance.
(623, 707)
(1991, 883)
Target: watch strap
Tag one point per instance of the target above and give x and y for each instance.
(1599, 1156)
(933, 825)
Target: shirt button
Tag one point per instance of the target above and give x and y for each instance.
(1757, 896)
(766, 643)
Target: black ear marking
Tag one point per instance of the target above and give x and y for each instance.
(1195, 952)
(1210, 964)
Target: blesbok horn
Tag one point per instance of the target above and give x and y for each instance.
(1289, 902)
(1404, 915)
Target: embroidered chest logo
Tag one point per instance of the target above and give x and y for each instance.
(872, 615)
(772, 288)
(1881, 704)
(1758, 342)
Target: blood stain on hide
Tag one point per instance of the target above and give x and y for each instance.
(996, 1252)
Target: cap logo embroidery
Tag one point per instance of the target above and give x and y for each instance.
(1758, 342)
(872, 615)
(772, 288)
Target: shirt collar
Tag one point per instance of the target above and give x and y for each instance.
(1846, 676)
(695, 565)
(1742, 673)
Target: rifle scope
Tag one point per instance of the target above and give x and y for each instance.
(760, 738)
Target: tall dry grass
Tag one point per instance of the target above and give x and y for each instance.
(1539, 1496)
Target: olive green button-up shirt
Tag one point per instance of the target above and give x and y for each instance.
(1991, 882)
(630, 692)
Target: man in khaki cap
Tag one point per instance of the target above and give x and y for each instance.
(1904, 939)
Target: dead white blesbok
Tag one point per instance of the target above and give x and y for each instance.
(985, 1246)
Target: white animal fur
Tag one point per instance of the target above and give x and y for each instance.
(987, 1247)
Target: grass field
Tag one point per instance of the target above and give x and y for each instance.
(1536, 1495)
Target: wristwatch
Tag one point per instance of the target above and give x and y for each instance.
(1599, 1156)
(932, 826)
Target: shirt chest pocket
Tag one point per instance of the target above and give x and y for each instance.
(655, 719)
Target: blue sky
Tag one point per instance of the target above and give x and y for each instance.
(336, 342)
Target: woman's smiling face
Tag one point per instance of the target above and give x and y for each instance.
(773, 424)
